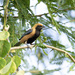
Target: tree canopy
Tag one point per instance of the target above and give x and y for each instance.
(17, 16)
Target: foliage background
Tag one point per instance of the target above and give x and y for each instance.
(59, 19)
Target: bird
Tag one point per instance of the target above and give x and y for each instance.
(31, 35)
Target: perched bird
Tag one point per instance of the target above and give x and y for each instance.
(31, 35)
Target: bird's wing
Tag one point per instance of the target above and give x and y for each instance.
(26, 33)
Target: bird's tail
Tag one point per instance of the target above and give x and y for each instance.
(17, 44)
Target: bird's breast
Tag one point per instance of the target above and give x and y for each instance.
(32, 39)
(37, 34)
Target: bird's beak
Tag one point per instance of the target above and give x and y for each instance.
(43, 27)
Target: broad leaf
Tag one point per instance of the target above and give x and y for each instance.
(5, 69)
(13, 67)
(2, 63)
(4, 35)
(17, 60)
(4, 47)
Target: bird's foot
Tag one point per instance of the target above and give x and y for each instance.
(30, 46)
(33, 44)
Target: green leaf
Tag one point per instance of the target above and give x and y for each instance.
(5, 69)
(23, 3)
(72, 67)
(13, 67)
(17, 60)
(8, 59)
(45, 52)
(39, 1)
(4, 35)
(2, 63)
(4, 47)
(66, 55)
(9, 68)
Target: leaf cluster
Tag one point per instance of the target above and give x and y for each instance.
(8, 65)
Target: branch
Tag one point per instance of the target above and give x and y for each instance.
(54, 48)
(39, 14)
(5, 13)
(21, 47)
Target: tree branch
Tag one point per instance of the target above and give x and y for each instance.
(54, 48)
(5, 13)
(21, 47)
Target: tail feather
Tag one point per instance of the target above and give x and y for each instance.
(17, 44)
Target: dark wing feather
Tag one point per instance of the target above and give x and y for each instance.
(26, 33)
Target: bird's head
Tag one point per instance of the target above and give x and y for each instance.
(38, 26)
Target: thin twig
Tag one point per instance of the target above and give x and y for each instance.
(21, 47)
(5, 13)
(54, 48)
